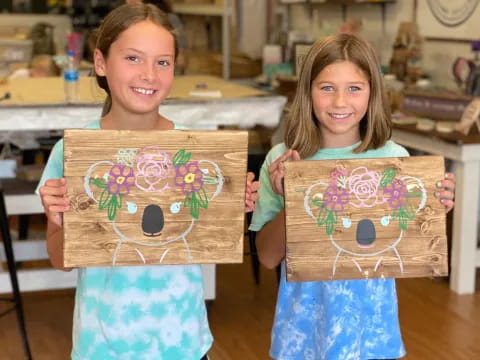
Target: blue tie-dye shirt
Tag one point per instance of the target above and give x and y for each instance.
(331, 320)
(136, 312)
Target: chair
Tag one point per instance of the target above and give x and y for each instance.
(17, 299)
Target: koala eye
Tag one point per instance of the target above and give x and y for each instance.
(385, 220)
(131, 207)
(347, 223)
(175, 207)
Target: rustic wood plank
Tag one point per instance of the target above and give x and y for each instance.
(364, 218)
(154, 197)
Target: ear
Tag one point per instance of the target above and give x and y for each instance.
(213, 178)
(313, 199)
(417, 194)
(99, 63)
(88, 176)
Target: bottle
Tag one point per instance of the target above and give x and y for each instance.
(70, 78)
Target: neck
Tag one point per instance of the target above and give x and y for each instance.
(332, 141)
(117, 119)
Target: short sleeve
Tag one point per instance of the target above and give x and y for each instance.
(54, 167)
(269, 203)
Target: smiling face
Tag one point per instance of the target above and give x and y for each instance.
(139, 68)
(340, 95)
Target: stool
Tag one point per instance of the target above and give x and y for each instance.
(17, 299)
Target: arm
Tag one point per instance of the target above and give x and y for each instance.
(55, 204)
(271, 242)
(271, 238)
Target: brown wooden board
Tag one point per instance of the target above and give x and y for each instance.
(154, 197)
(364, 218)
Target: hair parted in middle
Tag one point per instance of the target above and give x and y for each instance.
(303, 129)
(119, 20)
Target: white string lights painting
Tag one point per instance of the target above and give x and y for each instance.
(158, 203)
(357, 219)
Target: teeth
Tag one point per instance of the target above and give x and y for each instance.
(339, 116)
(144, 91)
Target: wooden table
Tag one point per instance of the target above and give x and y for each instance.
(466, 156)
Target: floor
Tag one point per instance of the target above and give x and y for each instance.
(436, 323)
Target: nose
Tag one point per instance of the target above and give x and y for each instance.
(152, 220)
(339, 99)
(147, 72)
(365, 233)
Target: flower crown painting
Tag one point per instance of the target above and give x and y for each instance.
(151, 201)
(370, 219)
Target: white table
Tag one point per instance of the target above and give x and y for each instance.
(209, 115)
(465, 255)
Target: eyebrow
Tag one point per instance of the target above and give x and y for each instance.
(141, 52)
(350, 82)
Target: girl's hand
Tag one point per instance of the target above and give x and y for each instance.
(54, 201)
(251, 194)
(277, 170)
(446, 192)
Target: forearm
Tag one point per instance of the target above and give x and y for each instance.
(55, 245)
(271, 241)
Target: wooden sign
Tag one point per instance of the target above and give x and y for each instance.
(364, 218)
(154, 197)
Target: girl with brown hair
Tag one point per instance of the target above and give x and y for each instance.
(136, 312)
(339, 112)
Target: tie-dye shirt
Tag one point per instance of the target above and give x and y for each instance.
(136, 312)
(331, 320)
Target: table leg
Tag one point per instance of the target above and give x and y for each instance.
(465, 227)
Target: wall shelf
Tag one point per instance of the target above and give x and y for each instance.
(191, 9)
(225, 12)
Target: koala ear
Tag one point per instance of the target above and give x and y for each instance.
(88, 177)
(212, 175)
(416, 192)
(314, 197)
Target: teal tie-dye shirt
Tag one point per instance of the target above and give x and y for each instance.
(136, 312)
(331, 320)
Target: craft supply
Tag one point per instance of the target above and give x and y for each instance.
(425, 124)
(445, 126)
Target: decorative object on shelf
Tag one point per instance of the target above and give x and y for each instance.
(141, 197)
(357, 219)
(300, 51)
(447, 19)
(470, 118)
(406, 61)
(467, 71)
(438, 105)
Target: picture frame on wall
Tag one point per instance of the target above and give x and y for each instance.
(448, 20)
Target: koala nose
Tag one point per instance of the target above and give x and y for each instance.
(152, 220)
(365, 233)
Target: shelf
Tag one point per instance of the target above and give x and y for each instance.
(191, 9)
(338, 2)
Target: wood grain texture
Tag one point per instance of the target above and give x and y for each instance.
(178, 197)
(365, 218)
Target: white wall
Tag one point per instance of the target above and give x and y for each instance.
(325, 19)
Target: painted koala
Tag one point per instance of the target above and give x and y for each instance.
(155, 189)
(394, 201)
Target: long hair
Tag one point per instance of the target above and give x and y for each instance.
(116, 22)
(303, 130)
